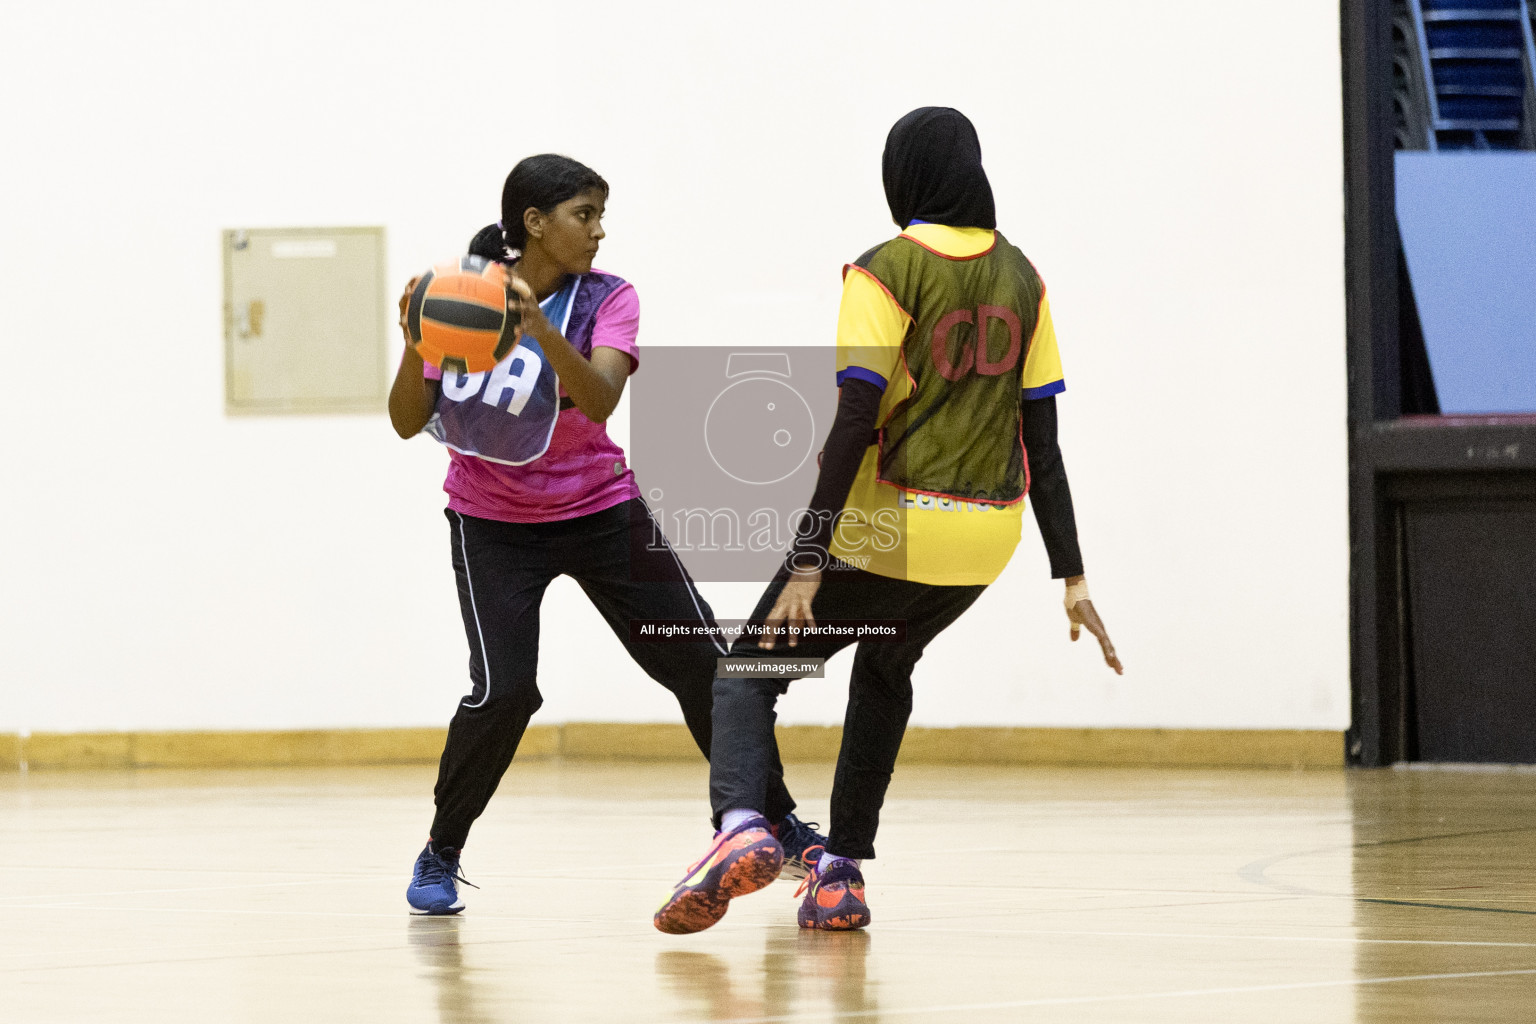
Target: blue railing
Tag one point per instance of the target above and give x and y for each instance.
(1479, 66)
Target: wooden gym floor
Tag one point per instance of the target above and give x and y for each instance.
(1008, 894)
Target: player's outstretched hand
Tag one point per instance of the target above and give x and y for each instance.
(1081, 615)
(793, 609)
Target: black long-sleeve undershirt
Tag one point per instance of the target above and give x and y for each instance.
(1048, 490)
(858, 407)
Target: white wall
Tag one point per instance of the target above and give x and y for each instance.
(1174, 170)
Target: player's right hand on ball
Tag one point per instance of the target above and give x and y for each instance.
(405, 303)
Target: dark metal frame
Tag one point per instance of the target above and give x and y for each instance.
(1385, 447)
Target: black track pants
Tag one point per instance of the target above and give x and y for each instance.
(744, 761)
(503, 570)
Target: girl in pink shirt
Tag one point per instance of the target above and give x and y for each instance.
(537, 489)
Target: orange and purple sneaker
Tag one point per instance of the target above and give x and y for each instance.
(743, 860)
(834, 899)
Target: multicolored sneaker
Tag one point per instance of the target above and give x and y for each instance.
(798, 838)
(432, 889)
(741, 861)
(834, 899)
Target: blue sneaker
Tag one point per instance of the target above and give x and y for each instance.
(802, 845)
(432, 889)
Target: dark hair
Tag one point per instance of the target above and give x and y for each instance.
(542, 182)
(488, 244)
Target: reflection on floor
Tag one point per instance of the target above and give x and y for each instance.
(1077, 895)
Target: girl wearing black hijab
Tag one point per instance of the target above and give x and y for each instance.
(948, 372)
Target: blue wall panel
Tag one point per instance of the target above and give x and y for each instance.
(1469, 228)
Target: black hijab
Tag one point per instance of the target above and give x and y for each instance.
(932, 170)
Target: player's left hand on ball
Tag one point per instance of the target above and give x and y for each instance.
(533, 320)
(1082, 615)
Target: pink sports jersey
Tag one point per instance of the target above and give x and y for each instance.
(583, 471)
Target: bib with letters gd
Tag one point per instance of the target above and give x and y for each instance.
(958, 434)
